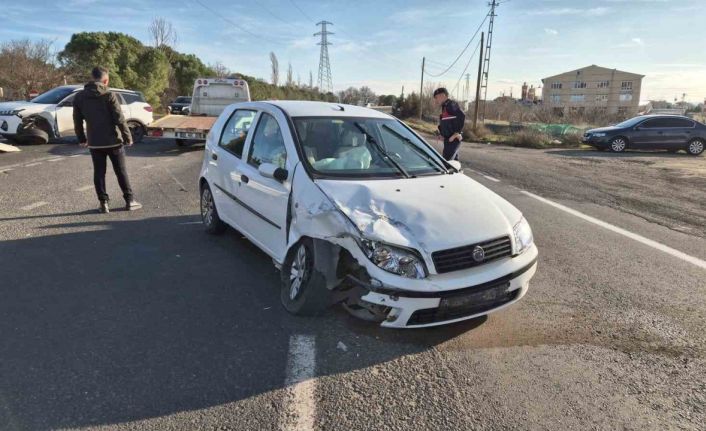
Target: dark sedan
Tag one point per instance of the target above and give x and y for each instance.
(178, 105)
(665, 132)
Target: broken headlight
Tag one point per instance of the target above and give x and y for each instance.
(393, 259)
(523, 236)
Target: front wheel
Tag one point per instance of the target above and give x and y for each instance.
(209, 214)
(303, 290)
(695, 147)
(618, 145)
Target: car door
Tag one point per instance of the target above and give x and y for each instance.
(226, 159)
(265, 199)
(678, 132)
(648, 134)
(64, 115)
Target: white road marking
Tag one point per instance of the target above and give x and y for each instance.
(639, 238)
(301, 368)
(191, 222)
(76, 155)
(492, 178)
(148, 167)
(33, 164)
(2, 171)
(84, 188)
(34, 205)
(56, 159)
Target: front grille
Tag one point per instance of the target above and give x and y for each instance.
(458, 258)
(476, 303)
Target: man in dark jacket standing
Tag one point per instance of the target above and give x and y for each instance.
(451, 122)
(108, 133)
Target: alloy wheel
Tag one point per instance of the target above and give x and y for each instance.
(207, 207)
(696, 147)
(298, 272)
(618, 145)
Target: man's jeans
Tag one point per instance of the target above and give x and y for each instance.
(451, 149)
(117, 158)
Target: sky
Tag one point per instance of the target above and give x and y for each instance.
(380, 43)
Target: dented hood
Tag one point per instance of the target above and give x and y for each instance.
(426, 213)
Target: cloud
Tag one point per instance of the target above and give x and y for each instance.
(594, 11)
(634, 42)
(551, 31)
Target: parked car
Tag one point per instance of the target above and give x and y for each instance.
(50, 115)
(180, 106)
(355, 208)
(667, 132)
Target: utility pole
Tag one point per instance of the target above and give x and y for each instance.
(486, 65)
(466, 90)
(478, 83)
(421, 88)
(325, 81)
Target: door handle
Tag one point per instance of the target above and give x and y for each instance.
(245, 178)
(214, 156)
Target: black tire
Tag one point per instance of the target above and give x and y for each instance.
(312, 297)
(696, 146)
(209, 214)
(32, 135)
(618, 144)
(137, 131)
(180, 142)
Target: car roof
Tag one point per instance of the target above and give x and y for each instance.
(664, 116)
(80, 86)
(305, 108)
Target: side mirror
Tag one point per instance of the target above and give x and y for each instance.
(270, 170)
(66, 103)
(455, 164)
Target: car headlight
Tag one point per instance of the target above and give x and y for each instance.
(598, 135)
(393, 259)
(523, 236)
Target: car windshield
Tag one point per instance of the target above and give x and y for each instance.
(631, 122)
(183, 100)
(52, 97)
(364, 147)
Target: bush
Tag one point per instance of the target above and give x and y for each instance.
(480, 133)
(571, 140)
(529, 139)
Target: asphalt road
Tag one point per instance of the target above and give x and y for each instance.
(139, 320)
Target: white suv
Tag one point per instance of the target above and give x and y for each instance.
(355, 208)
(50, 115)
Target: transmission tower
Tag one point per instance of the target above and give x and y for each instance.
(466, 89)
(325, 82)
(486, 61)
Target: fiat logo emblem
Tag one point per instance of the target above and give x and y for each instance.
(478, 253)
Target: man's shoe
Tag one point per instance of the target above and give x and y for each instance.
(104, 208)
(133, 205)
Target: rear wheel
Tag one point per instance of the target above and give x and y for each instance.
(209, 214)
(180, 142)
(618, 145)
(695, 147)
(303, 290)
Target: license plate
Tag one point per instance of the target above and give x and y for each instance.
(474, 298)
(189, 135)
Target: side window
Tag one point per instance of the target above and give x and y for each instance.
(267, 143)
(235, 132)
(131, 98)
(654, 124)
(679, 122)
(69, 101)
(120, 98)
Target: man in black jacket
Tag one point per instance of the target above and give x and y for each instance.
(451, 122)
(107, 134)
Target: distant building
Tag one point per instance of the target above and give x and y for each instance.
(593, 87)
(529, 94)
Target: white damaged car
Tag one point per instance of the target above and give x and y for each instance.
(355, 208)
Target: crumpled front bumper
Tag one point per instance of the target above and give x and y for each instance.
(431, 307)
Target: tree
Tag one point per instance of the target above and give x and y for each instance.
(27, 65)
(311, 80)
(187, 68)
(162, 33)
(290, 76)
(220, 70)
(366, 95)
(275, 68)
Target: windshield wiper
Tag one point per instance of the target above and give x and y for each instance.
(382, 151)
(416, 148)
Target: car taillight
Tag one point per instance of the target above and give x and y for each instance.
(148, 108)
(156, 133)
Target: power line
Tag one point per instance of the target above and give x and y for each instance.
(486, 56)
(325, 81)
(466, 68)
(234, 24)
(463, 51)
(300, 10)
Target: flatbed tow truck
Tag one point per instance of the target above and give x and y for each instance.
(210, 97)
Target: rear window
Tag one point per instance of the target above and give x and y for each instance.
(678, 122)
(132, 98)
(183, 100)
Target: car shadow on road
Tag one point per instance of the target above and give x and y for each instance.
(111, 321)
